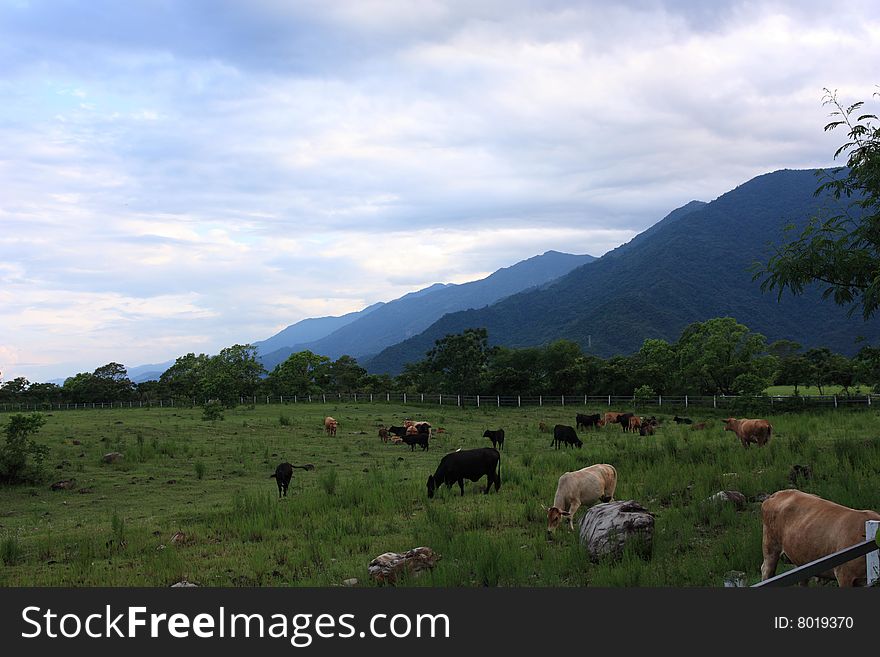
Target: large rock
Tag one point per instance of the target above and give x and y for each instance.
(391, 565)
(607, 528)
(729, 497)
(112, 457)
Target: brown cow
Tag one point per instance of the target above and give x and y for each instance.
(383, 434)
(750, 431)
(611, 418)
(635, 423)
(330, 426)
(806, 527)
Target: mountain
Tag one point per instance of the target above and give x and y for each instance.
(411, 314)
(142, 373)
(309, 330)
(691, 266)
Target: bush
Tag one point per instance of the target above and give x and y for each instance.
(21, 459)
(200, 470)
(213, 411)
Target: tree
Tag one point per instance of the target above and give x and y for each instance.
(113, 383)
(185, 379)
(462, 360)
(712, 354)
(842, 253)
(303, 373)
(345, 375)
(233, 373)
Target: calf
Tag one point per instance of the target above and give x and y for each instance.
(806, 527)
(284, 473)
(413, 439)
(682, 420)
(469, 464)
(497, 437)
(383, 434)
(579, 488)
(750, 431)
(565, 434)
(635, 424)
(330, 426)
(587, 421)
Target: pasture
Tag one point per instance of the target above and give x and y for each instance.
(211, 482)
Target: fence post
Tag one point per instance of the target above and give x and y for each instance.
(459, 400)
(540, 400)
(659, 400)
(499, 401)
(310, 398)
(371, 397)
(685, 401)
(872, 558)
(441, 399)
(835, 401)
(609, 400)
(563, 400)
(404, 398)
(518, 401)
(478, 401)
(714, 402)
(323, 398)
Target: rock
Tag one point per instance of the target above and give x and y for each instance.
(607, 528)
(76, 442)
(735, 579)
(391, 565)
(760, 497)
(178, 537)
(183, 584)
(66, 484)
(733, 496)
(112, 457)
(350, 582)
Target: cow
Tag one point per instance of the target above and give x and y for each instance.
(806, 527)
(750, 431)
(587, 421)
(580, 488)
(469, 464)
(647, 429)
(383, 434)
(497, 437)
(565, 434)
(543, 428)
(400, 432)
(623, 420)
(330, 426)
(422, 427)
(411, 430)
(682, 420)
(284, 473)
(635, 424)
(699, 426)
(611, 418)
(413, 439)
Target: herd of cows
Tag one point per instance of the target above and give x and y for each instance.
(799, 525)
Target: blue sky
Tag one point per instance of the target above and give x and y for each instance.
(183, 176)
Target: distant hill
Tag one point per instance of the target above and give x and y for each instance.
(309, 330)
(409, 315)
(692, 266)
(141, 373)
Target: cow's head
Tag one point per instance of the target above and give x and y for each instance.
(728, 424)
(432, 486)
(554, 516)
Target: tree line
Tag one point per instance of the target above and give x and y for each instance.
(718, 356)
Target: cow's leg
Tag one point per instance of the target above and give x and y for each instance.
(575, 505)
(461, 486)
(771, 551)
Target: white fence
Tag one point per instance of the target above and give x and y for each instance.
(508, 401)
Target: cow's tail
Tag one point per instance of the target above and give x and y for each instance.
(307, 466)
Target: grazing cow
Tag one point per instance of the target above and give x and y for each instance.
(565, 434)
(330, 426)
(497, 437)
(400, 432)
(750, 431)
(806, 527)
(422, 427)
(623, 420)
(283, 474)
(682, 420)
(635, 424)
(543, 428)
(587, 421)
(469, 464)
(413, 439)
(699, 426)
(383, 434)
(579, 488)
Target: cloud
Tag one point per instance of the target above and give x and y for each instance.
(185, 176)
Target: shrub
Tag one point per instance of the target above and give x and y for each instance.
(200, 470)
(21, 459)
(213, 411)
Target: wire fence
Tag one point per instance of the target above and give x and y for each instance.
(646, 404)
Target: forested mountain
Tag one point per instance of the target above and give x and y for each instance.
(692, 266)
(409, 315)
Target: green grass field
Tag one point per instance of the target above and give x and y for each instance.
(212, 483)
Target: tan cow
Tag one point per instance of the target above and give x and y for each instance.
(635, 423)
(581, 487)
(330, 426)
(750, 431)
(611, 418)
(806, 527)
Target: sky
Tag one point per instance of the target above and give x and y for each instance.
(182, 176)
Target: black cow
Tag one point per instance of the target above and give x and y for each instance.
(497, 437)
(467, 464)
(623, 420)
(284, 473)
(587, 421)
(414, 439)
(682, 420)
(400, 432)
(565, 434)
